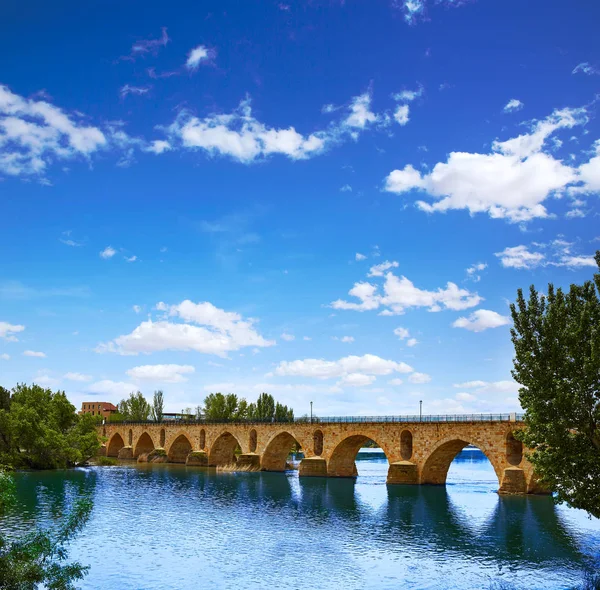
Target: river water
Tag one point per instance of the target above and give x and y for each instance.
(172, 527)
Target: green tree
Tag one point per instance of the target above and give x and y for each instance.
(557, 362)
(41, 430)
(39, 558)
(158, 406)
(221, 407)
(136, 408)
(265, 408)
(283, 413)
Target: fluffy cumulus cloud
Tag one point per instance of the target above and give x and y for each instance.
(401, 114)
(108, 252)
(8, 331)
(4, 356)
(558, 252)
(162, 373)
(510, 182)
(189, 326)
(33, 133)
(242, 137)
(474, 270)
(513, 105)
(399, 294)
(358, 257)
(198, 55)
(351, 371)
(378, 270)
(481, 320)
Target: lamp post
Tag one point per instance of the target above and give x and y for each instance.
(311, 412)
(420, 410)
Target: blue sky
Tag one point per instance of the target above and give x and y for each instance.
(330, 201)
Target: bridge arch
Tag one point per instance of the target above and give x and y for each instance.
(115, 444)
(436, 465)
(179, 449)
(222, 450)
(342, 460)
(144, 444)
(276, 452)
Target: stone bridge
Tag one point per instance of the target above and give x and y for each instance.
(417, 452)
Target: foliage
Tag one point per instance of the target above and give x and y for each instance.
(136, 408)
(41, 430)
(39, 557)
(107, 461)
(557, 362)
(158, 406)
(219, 407)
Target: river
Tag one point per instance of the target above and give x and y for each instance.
(172, 527)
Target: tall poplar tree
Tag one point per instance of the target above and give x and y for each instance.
(557, 362)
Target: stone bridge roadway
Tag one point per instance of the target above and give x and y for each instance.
(418, 452)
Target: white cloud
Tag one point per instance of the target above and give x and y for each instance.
(197, 56)
(131, 258)
(412, 342)
(401, 114)
(242, 137)
(399, 294)
(378, 270)
(585, 68)
(77, 377)
(408, 95)
(481, 320)
(112, 388)
(575, 213)
(395, 382)
(367, 364)
(511, 182)
(306, 338)
(33, 353)
(465, 397)
(137, 90)
(402, 333)
(346, 189)
(476, 268)
(217, 332)
(34, 133)
(288, 337)
(489, 386)
(415, 10)
(589, 173)
(8, 331)
(46, 381)
(360, 115)
(164, 373)
(345, 339)
(108, 252)
(559, 253)
(144, 46)
(4, 356)
(356, 380)
(358, 256)
(419, 378)
(513, 105)
(520, 257)
(137, 308)
(158, 146)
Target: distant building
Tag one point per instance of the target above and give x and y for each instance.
(104, 409)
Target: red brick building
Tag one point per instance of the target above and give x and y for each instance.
(104, 409)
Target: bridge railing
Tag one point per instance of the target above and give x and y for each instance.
(436, 418)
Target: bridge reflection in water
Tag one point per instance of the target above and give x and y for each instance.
(310, 531)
